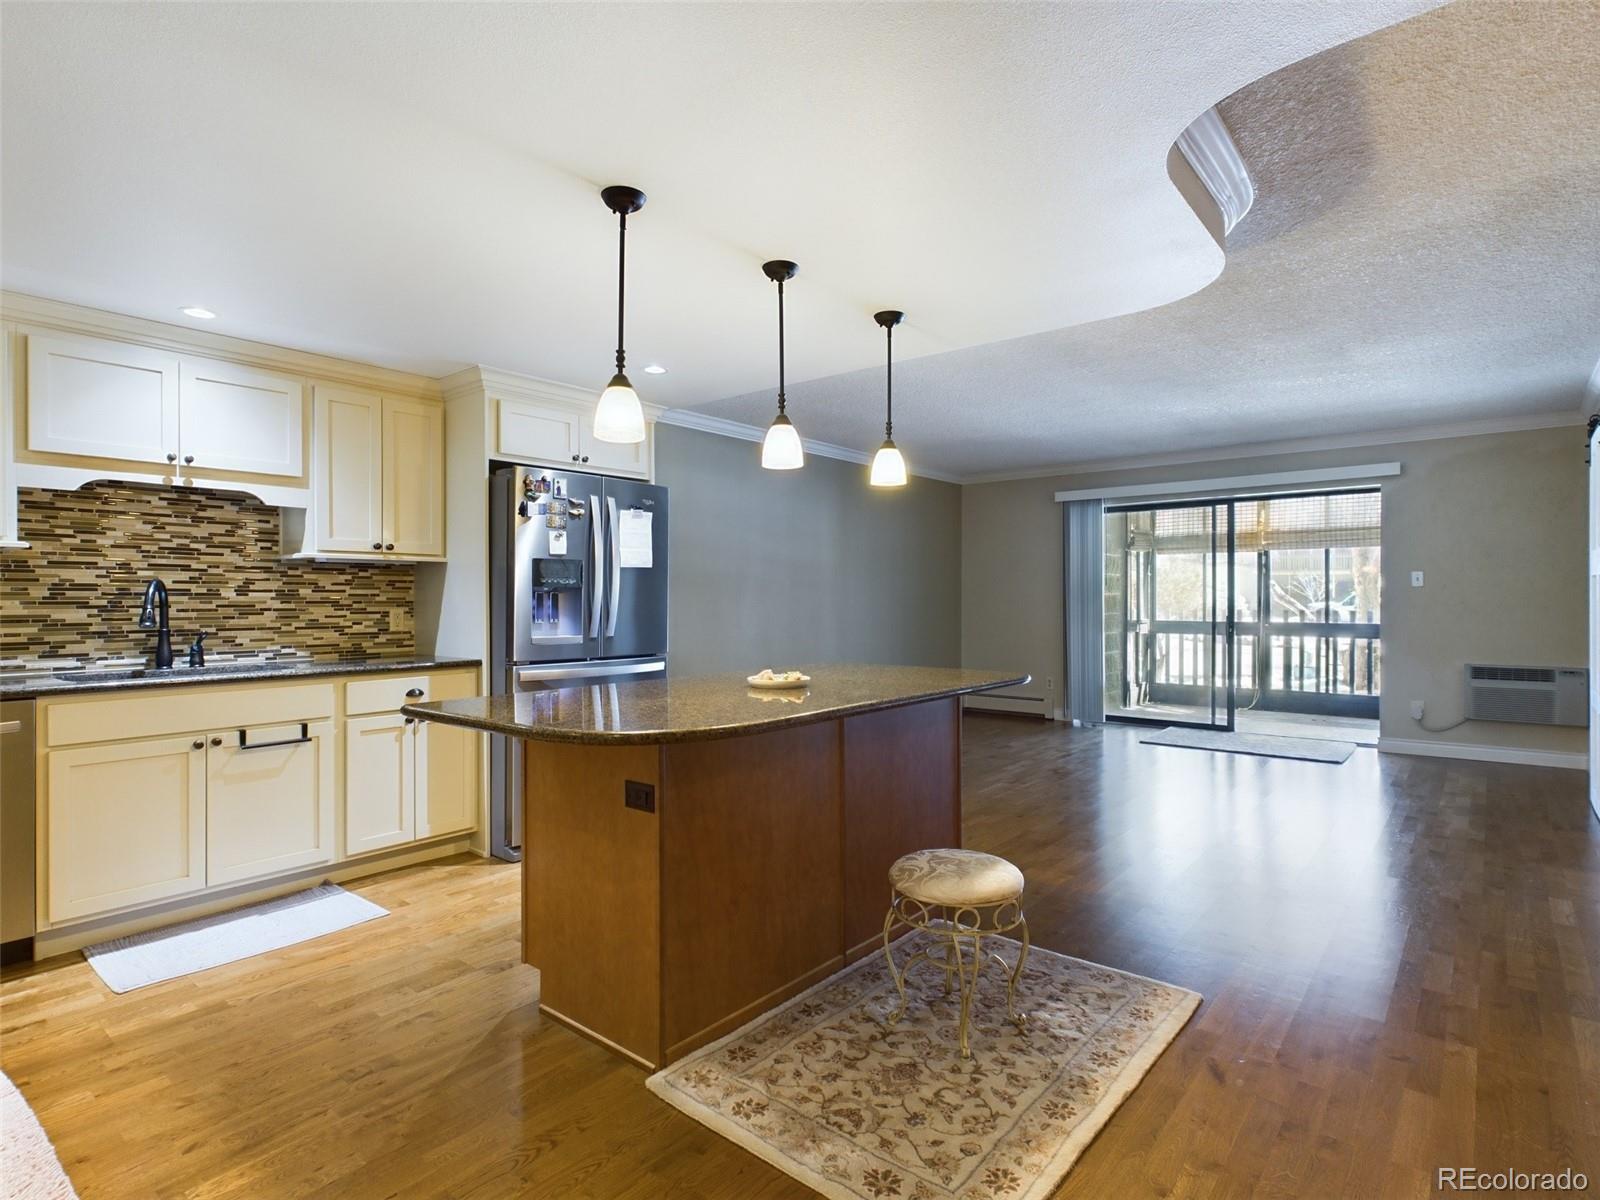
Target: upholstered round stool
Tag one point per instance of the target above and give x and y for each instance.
(960, 897)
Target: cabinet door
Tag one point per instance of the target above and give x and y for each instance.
(616, 458)
(233, 418)
(413, 477)
(380, 782)
(448, 760)
(102, 399)
(125, 824)
(539, 433)
(269, 801)
(347, 483)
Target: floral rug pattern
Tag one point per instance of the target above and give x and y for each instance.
(824, 1088)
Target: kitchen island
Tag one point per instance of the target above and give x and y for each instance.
(697, 850)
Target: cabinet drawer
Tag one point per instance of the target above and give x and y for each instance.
(386, 693)
(155, 714)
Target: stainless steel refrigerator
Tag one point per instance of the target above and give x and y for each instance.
(578, 598)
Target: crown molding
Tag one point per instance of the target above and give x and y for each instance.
(36, 312)
(687, 418)
(479, 380)
(1210, 150)
(1247, 450)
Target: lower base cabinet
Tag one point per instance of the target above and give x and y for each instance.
(125, 824)
(269, 801)
(283, 782)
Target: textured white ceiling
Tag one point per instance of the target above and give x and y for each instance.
(1424, 248)
(414, 184)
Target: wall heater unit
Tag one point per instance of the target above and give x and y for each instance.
(1531, 695)
(1032, 706)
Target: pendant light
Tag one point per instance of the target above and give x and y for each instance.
(619, 417)
(888, 464)
(781, 449)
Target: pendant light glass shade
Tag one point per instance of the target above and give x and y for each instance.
(619, 417)
(888, 466)
(781, 449)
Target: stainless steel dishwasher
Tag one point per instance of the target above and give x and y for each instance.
(16, 831)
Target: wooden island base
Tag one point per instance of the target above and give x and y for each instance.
(761, 870)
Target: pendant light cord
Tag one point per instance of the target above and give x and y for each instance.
(888, 381)
(622, 281)
(780, 348)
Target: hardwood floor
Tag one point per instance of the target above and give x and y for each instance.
(1400, 959)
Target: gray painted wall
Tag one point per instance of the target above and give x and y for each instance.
(1496, 522)
(774, 568)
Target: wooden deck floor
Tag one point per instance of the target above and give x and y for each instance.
(1400, 960)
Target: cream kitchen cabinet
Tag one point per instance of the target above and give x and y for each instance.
(407, 780)
(269, 800)
(559, 433)
(378, 481)
(102, 399)
(194, 417)
(125, 824)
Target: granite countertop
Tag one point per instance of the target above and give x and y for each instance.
(21, 685)
(703, 707)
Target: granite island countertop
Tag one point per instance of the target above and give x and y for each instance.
(702, 707)
(24, 685)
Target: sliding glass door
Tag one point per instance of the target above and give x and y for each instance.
(1169, 614)
(1235, 611)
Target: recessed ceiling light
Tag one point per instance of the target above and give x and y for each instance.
(198, 313)
(655, 369)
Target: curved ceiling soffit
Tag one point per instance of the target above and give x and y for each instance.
(1205, 153)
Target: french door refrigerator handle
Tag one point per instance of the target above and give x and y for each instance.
(616, 566)
(599, 561)
(588, 670)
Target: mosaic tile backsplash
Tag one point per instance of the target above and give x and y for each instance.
(76, 593)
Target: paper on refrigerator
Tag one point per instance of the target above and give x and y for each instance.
(636, 537)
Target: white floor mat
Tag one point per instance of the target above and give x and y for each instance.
(161, 954)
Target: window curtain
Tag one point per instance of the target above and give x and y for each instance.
(1085, 587)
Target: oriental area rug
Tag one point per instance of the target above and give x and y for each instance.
(826, 1089)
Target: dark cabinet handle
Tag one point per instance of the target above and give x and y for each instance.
(188, 458)
(377, 545)
(389, 546)
(411, 720)
(199, 744)
(413, 692)
(216, 741)
(574, 458)
(172, 458)
(246, 744)
(585, 458)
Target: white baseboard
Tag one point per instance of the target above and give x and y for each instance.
(1500, 754)
(1030, 706)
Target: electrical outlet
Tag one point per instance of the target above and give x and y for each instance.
(401, 621)
(1049, 684)
(1416, 710)
(641, 796)
(1416, 579)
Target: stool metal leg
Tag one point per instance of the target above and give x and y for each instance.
(1016, 974)
(899, 979)
(969, 983)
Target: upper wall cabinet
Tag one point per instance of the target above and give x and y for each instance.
(233, 418)
(559, 433)
(102, 400)
(377, 489)
(196, 418)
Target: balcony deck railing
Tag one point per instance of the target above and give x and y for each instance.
(1280, 665)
